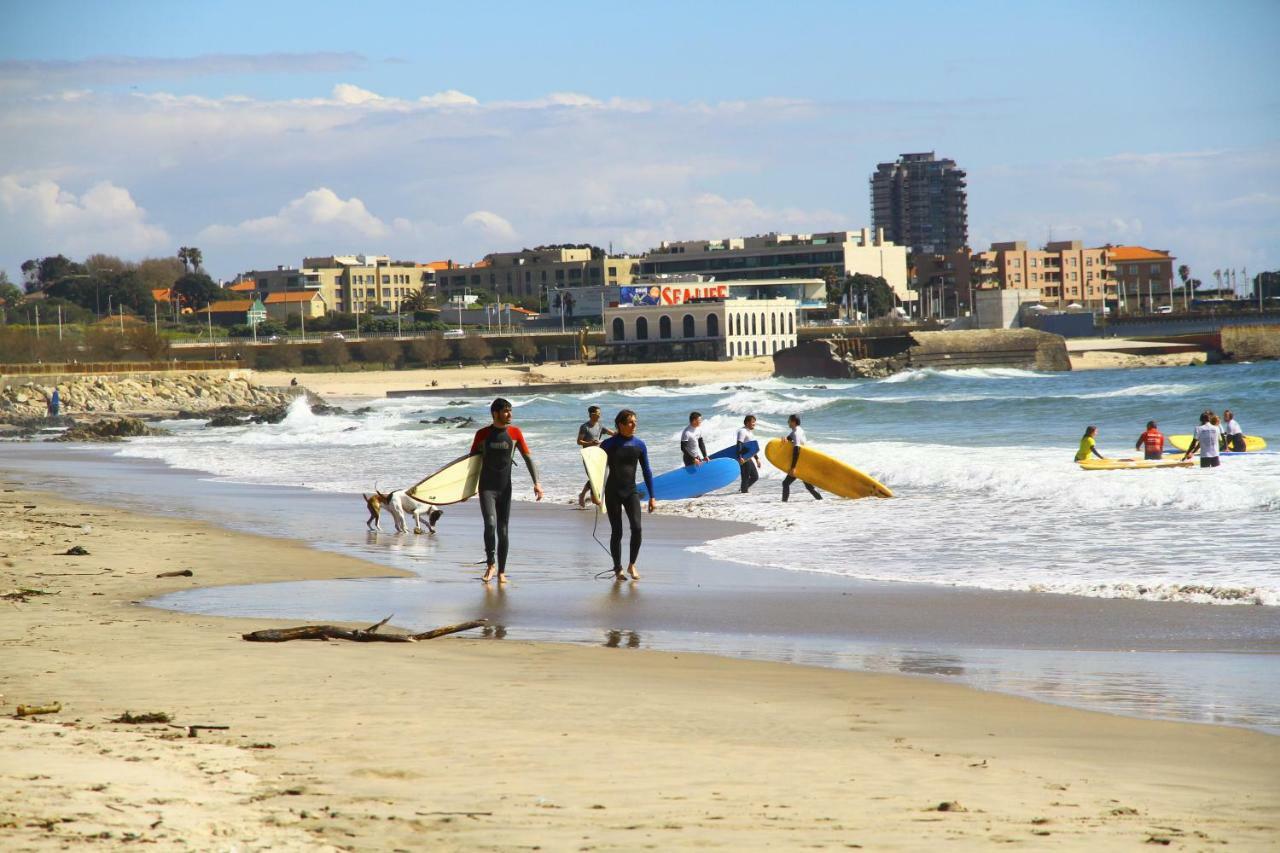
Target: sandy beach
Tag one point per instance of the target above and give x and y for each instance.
(376, 383)
(472, 743)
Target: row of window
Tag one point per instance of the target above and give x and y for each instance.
(738, 262)
(739, 324)
(740, 348)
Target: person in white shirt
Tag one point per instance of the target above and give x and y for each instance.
(692, 448)
(746, 435)
(1206, 441)
(797, 439)
(1234, 434)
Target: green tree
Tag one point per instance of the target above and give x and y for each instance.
(100, 262)
(191, 258)
(382, 351)
(10, 293)
(872, 292)
(419, 300)
(474, 348)
(159, 273)
(196, 290)
(430, 350)
(333, 352)
(151, 346)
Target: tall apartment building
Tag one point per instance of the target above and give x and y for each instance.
(771, 256)
(527, 273)
(350, 283)
(1144, 277)
(922, 203)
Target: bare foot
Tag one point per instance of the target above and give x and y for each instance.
(488, 574)
(502, 577)
(631, 570)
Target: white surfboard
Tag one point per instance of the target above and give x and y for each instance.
(454, 483)
(595, 461)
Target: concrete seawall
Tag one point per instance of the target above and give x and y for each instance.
(1251, 343)
(1022, 348)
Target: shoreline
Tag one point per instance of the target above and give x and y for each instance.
(677, 777)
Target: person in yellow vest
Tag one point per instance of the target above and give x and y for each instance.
(1089, 444)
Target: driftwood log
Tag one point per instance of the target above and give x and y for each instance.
(357, 635)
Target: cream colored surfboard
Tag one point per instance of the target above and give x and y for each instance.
(1251, 442)
(595, 461)
(825, 472)
(454, 483)
(1135, 464)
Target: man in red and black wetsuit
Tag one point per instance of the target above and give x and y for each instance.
(1151, 442)
(498, 444)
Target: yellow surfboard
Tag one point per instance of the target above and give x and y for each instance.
(595, 461)
(825, 472)
(454, 483)
(1251, 442)
(1134, 464)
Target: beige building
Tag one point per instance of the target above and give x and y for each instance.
(304, 303)
(1064, 272)
(711, 329)
(785, 256)
(530, 273)
(350, 283)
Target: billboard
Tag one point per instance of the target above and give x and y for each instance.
(669, 294)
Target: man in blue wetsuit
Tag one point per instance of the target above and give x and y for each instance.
(625, 452)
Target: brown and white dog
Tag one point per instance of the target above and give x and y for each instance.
(400, 505)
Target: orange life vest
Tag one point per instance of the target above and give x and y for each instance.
(1153, 441)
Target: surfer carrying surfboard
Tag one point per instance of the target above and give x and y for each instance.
(750, 463)
(589, 435)
(692, 448)
(497, 444)
(625, 452)
(797, 439)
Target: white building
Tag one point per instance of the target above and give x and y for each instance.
(707, 327)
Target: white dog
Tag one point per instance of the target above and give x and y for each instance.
(400, 505)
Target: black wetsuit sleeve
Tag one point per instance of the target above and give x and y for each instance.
(644, 466)
(702, 446)
(795, 455)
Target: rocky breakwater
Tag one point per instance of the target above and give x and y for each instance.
(1023, 348)
(161, 395)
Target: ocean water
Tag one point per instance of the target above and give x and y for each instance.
(987, 495)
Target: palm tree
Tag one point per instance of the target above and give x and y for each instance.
(196, 257)
(184, 255)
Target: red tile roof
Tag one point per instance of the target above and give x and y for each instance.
(1136, 253)
(229, 306)
(300, 296)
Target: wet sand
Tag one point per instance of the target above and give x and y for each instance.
(467, 743)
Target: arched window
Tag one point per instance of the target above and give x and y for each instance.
(689, 330)
(791, 324)
(619, 329)
(753, 343)
(642, 329)
(664, 327)
(735, 322)
(713, 326)
(753, 324)
(773, 324)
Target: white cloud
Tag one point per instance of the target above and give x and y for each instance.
(319, 214)
(448, 98)
(345, 93)
(40, 217)
(489, 224)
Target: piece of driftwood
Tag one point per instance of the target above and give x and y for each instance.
(185, 573)
(32, 710)
(192, 731)
(358, 635)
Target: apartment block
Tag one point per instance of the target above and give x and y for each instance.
(773, 256)
(921, 202)
(529, 273)
(1064, 272)
(351, 283)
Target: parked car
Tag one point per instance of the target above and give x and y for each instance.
(454, 333)
(1165, 309)
(336, 336)
(274, 339)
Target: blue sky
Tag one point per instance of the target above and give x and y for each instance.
(264, 132)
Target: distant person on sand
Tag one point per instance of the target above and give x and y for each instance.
(1089, 444)
(750, 464)
(498, 443)
(1233, 433)
(796, 437)
(1206, 441)
(55, 403)
(1151, 442)
(692, 448)
(625, 452)
(589, 435)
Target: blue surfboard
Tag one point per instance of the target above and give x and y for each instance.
(692, 481)
(731, 452)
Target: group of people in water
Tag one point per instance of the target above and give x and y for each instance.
(1212, 436)
(498, 442)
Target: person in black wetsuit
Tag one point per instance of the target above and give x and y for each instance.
(498, 443)
(625, 451)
